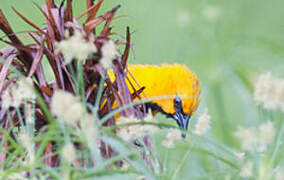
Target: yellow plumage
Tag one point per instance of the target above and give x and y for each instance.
(163, 80)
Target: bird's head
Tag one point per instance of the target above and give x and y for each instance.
(183, 87)
(181, 111)
(181, 118)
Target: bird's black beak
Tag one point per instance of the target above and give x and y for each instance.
(182, 121)
(181, 118)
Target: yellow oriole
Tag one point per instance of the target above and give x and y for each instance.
(176, 80)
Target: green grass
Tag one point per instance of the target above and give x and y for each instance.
(247, 38)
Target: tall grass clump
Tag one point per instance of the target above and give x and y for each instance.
(61, 127)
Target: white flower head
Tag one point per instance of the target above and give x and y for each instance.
(149, 117)
(76, 47)
(256, 139)
(269, 91)
(247, 137)
(280, 94)
(8, 101)
(183, 18)
(20, 92)
(67, 106)
(266, 91)
(240, 155)
(89, 127)
(247, 170)
(211, 13)
(279, 175)
(171, 137)
(203, 123)
(125, 166)
(25, 89)
(109, 53)
(69, 153)
(261, 87)
(266, 133)
(126, 133)
(147, 129)
(135, 131)
(27, 143)
(272, 102)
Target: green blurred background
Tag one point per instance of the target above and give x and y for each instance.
(226, 42)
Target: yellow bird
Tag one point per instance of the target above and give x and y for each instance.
(176, 81)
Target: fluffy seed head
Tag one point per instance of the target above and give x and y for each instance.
(109, 53)
(29, 146)
(269, 91)
(76, 47)
(211, 13)
(266, 133)
(66, 106)
(256, 139)
(69, 153)
(280, 94)
(89, 127)
(125, 166)
(203, 123)
(171, 137)
(183, 18)
(279, 175)
(246, 170)
(134, 131)
(19, 92)
(247, 138)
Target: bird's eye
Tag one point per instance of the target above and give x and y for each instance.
(178, 104)
(177, 100)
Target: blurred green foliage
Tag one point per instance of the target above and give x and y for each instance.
(226, 42)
